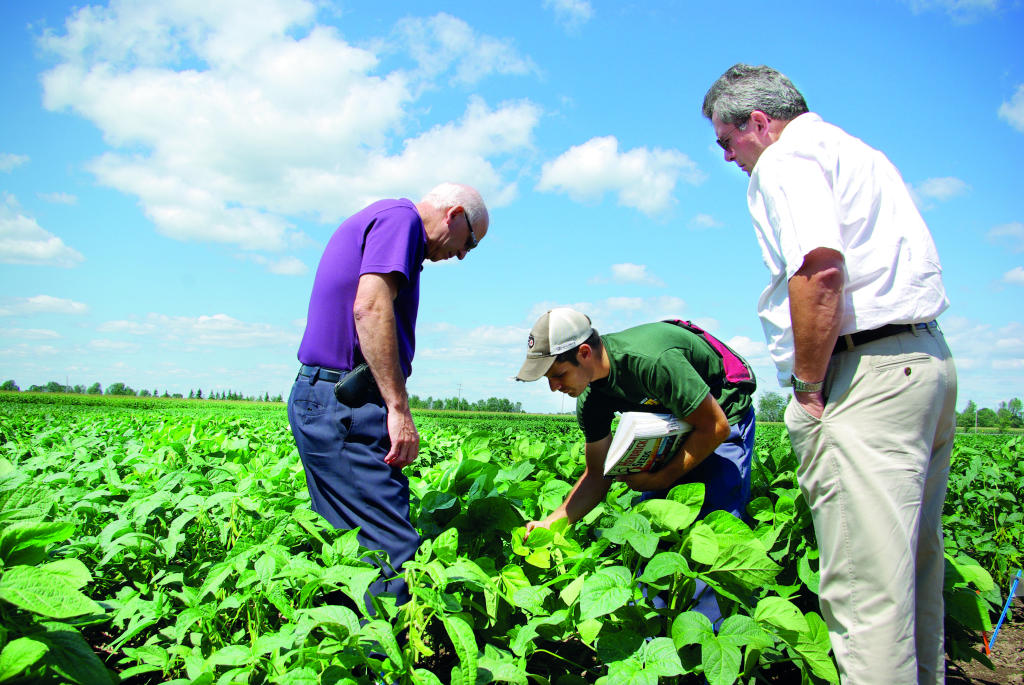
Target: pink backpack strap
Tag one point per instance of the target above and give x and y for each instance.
(737, 371)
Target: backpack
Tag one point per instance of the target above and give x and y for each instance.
(738, 373)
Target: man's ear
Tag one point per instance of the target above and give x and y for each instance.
(760, 121)
(584, 352)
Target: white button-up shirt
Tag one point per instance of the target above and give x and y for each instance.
(818, 186)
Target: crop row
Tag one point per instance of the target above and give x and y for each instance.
(178, 546)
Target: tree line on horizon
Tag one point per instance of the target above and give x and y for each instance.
(121, 390)
(771, 407)
(491, 404)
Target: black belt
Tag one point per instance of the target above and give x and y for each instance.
(851, 340)
(321, 373)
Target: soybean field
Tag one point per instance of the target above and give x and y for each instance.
(153, 541)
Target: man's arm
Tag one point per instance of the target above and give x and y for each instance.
(710, 428)
(816, 311)
(375, 324)
(589, 491)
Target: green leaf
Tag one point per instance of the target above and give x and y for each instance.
(502, 666)
(690, 494)
(71, 655)
(381, 632)
(634, 529)
(814, 647)
(446, 545)
(605, 591)
(24, 542)
(18, 655)
(743, 631)
(668, 514)
(661, 656)
(232, 655)
(45, 592)
(691, 628)
(782, 616)
(703, 544)
(422, 676)
(665, 564)
(968, 608)
(74, 572)
(464, 642)
(721, 661)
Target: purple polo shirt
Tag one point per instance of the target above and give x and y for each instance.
(386, 237)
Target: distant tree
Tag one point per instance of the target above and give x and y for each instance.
(143, 393)
(94, 389)
(120, 389)
(987, 418)
(10, 386)
(771, 407)
(199, 394)
(177, 395)
(966, 418)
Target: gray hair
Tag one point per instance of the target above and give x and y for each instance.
(743, 89)
(448, 195)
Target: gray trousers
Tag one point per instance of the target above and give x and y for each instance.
(874, 470)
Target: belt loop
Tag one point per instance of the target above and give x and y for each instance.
(848, 339)
(915, 330)
(314, 376)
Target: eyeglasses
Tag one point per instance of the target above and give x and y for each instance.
(725, 143)
(471, 240)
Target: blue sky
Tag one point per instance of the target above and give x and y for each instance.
(170, 172)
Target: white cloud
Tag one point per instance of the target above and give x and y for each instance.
(642, 178)
(58, 198)
(120, 346)
(705, 221)
(24, 241)
(217, 330)
(9, 161)
(1013, 111)
(937, 189)
(1011, 235)
(42, 304)
(445, 43)
(29, 333)
(1014, 276)
(571, 14)
(958, 10)
(268, 120)
(31, 351)
(285, 266)
(634, 273)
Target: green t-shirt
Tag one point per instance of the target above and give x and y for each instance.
(657, 367)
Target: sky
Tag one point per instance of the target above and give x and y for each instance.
(170, 173)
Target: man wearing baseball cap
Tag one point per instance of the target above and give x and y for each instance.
(658, 367)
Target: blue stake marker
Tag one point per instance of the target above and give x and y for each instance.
(1006, 607)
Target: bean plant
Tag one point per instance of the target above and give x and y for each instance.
(174, 543)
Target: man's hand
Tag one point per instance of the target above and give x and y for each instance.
(405, 440)
(812, 402)
(645, 480)
(532, 525)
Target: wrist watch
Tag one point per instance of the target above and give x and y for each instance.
(803, 386)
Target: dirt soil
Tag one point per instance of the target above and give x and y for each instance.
(1007, 655)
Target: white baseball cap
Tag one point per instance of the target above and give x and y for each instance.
(557, 330)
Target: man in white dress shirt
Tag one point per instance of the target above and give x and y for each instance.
(849, 315)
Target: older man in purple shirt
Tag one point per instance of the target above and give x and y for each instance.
(363, 309)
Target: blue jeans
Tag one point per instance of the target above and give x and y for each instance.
(726, 477)
(342, 450)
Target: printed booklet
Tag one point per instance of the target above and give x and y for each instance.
(643, 441)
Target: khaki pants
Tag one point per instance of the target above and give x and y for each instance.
(874, 470)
